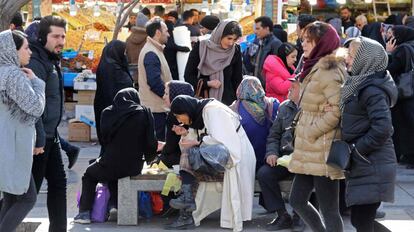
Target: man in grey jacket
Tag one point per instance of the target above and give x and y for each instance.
(47, 162)
(279, 143)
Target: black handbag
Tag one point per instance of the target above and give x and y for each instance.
(405, 82)
(340, 153)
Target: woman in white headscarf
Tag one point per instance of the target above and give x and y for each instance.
(22, 101)
(218, 62)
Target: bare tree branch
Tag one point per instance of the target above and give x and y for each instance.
(7, 10)
(120, 22)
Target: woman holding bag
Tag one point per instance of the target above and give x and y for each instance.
(366, 98)
(322, 76)
(218, 62)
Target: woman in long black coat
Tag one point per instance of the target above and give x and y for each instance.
(129, 138)
(366, 98)
(112, 75)
(403, 111)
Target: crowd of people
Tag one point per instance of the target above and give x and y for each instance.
(249, 108)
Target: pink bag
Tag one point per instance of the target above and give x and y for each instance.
(100, 204)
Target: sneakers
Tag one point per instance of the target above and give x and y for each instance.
(113, 215)
(83, 218)
(72, 154)
(280, 223)
(297, 224)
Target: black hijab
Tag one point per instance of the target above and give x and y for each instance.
(125, 104)
(373, 31)
(191, 106)
(284, 50)
(280, 33)
(113, 59)
(402, 34)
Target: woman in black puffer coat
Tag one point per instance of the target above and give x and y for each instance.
(366, 98)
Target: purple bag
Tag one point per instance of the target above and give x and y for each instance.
(100, 204)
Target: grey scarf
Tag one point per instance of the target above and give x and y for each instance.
(369, 59)
(13, 83)
(214, 59)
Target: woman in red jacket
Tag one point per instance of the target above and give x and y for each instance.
(278, 69)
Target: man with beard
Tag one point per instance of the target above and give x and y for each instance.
(346, 17)
(47, 160)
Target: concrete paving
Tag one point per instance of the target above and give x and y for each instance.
(399, 215)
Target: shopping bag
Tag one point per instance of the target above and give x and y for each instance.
(144, 205)
(100, 204)
(157, 202)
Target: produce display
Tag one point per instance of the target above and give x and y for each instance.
(247, 24)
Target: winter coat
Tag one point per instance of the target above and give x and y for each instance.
(270, 45)
(316, 127)
(135, 139)
(276, 74)
(366, 122)
(134, 44)
(279, 141)
(46, 66)
(232, 74)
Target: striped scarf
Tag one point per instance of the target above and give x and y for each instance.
(369, 59)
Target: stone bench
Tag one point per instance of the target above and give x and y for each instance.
(129, 186)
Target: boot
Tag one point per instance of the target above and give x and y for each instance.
(185, 200)
(184, 222)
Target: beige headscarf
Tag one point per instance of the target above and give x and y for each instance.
(214, 59)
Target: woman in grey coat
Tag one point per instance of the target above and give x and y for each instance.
(366, 98)
(22, 100)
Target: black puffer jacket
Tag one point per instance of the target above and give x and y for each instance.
(46, 66)
(366, 122)
(279, 140)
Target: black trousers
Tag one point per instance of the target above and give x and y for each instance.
(327, 193)
(363, 218)
(49, 165)
(94, 174)
(160, 120)
(269, 178)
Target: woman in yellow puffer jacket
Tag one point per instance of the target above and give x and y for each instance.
(322, 76)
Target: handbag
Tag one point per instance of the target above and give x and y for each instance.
(340, 153)
(405, 82)
(200, 93)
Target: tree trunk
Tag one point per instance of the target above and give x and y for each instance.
(121, 19)
(7, 10)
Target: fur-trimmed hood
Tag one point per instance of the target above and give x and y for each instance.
(333, 60)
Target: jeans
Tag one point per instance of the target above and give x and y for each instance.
(15, 208)
(95, 174)
(327, 193)
(49, 165)
(160, 119)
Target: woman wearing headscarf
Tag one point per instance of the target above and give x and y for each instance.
(352, 32)
(366, 98)
(218, 62)
(112, 75)
(402, 112)
(280, 33)
(170, 154)
(128, 135)
(22, 101)
(257, 112)
(222, 126)
(374, 31)
(322, 76)
(278, 69)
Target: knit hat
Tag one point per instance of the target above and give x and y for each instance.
(210, 22)
(141, 20)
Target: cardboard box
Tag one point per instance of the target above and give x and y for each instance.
(86, 97)
(84, 85)
(86, 111)
(79, 131)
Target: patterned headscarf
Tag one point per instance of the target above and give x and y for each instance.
(251, 94)
(364, 66)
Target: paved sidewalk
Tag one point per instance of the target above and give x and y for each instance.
(399, 215)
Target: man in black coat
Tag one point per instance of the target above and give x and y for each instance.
(47, 162)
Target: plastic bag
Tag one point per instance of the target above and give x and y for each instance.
(284, 160)
(209, 159)
(157, 202)
(144, 205)
(100, 203)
